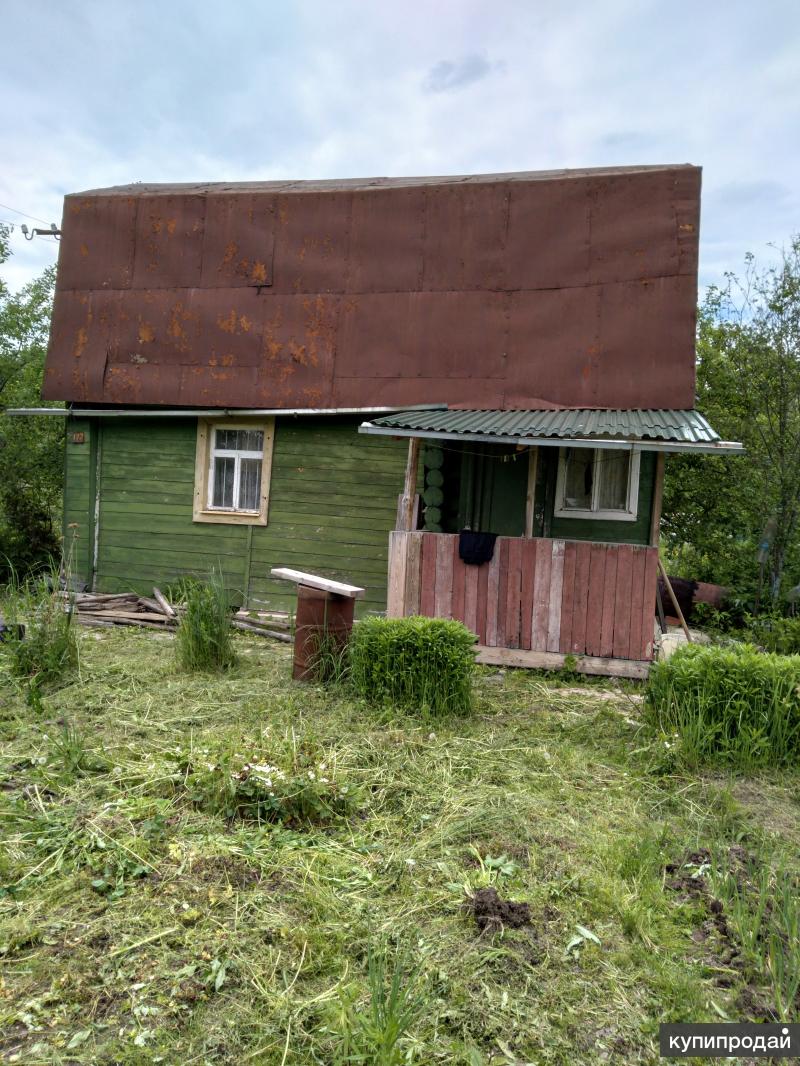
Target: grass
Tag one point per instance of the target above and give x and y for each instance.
(204, 637)
(152, 910)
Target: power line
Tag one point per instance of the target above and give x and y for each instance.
(7, 207)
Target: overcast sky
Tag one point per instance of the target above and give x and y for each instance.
(103, 92)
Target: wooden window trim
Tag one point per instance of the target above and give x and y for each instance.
(201, 512)
(630, 514)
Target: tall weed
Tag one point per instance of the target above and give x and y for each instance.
(204, 632)
(46, 651)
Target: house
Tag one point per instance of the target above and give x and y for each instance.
(284, 373)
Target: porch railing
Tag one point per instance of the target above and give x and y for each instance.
(564, 596)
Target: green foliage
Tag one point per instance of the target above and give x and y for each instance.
(419, 664)
(295, 786)
(204, 632)
(748, 385)
(48, 651)
(373, 1035)
(781, 635)
(762, 907)
(728, 704)
(31, 449)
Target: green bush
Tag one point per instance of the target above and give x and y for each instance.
(420, 664)
(204, 632)
(781, 635)
(728, 704)
(48, 652)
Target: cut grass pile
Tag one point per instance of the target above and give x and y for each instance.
(159, 904)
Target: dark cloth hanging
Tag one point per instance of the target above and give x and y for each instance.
(476, 548)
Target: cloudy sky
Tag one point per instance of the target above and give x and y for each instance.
(103, 92)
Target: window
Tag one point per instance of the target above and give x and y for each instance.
(232, 471)
(597, 483)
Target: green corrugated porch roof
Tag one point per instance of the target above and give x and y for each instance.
(656, 430)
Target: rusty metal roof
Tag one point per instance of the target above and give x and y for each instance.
(531, 290)
(680, 428)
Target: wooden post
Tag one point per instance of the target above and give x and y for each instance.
(530, 503)
(658, 493)
(410, 486)
(674, 598)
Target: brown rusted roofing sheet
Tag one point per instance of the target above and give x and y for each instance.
(559, 288)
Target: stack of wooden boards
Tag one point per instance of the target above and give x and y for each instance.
(156, 612)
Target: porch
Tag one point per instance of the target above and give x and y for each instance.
(537, 600)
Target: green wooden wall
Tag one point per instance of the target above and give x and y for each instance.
(80, 464)
(333, 501)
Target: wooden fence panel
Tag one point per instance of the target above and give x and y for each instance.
(541, 595)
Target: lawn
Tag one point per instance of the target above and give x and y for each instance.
(151, 912)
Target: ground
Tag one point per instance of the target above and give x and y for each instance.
(147, 915)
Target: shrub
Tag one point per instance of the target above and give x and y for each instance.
(421, 664)
(729, 704)
(48, 651)
(781, 635)
(289, 787)
(204, 632)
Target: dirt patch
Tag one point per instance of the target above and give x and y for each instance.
(713, 937)
(224, 869)
(492, 913)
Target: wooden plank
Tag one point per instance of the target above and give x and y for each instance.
(493, 592)
(413, 573)
(459, 579)
(609, 602)
(501, 554)
(483, 590)
(300, 577)
(260, 631)
(471, 597)
(622, 608)
(397, 573)
(648, 603)
(637, 598)
(427, 593)
(529, 548)
(541, 596)
(556, 591)
(410, 484)
(658, 494)
(594, 605)
(530, 501)
(513, 623)
(163, 603)
(567, 596)
(444, 577)
(580, 598)
(543, 660)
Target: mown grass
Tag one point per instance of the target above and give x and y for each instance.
(142, 921)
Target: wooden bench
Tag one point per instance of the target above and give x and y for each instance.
(325, 610)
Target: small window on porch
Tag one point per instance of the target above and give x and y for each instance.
(232, 472)
(599, 483)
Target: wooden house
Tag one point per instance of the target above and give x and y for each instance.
(286, 373)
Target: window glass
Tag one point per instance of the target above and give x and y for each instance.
(579, 479)
(613, 471)
(249, 484)
(224, 474)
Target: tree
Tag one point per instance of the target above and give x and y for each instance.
(718, 509)
(31, 449)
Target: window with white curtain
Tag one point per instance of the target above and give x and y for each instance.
(597, 483)
(232, 471)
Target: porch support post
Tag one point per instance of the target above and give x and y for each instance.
(410, 487)
(530, 503)
(658, 494)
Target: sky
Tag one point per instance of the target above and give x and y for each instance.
(103, 93)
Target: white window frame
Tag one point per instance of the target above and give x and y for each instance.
(203, 509)
(595, 513)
